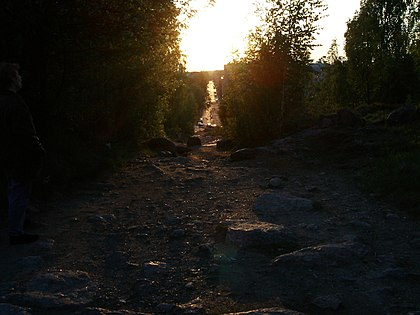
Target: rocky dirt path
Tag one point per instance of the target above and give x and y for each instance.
(281, 233)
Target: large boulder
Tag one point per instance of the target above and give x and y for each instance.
(194, 141)
(162, 144)
(182, 150)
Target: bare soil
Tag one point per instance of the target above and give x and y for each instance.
(150, 238)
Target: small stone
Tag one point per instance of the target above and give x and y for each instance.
(392, 216)
(105, 218)
(312, 189)
(108, 217)
(276, 182)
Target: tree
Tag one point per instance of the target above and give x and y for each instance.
(269, 83)
(331, 88)
(99, 72)
(377, 47)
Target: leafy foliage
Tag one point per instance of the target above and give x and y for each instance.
(186, 104)
(330, 89)
(264, 93)
(97, 74)
(378, 41)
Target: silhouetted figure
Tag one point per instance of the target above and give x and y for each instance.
(21, 154)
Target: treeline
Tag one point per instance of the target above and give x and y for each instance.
(383, 58)
(274, 90)
(100, 77)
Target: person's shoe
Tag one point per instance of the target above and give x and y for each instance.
(23, 239)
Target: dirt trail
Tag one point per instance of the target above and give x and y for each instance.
(183, 235)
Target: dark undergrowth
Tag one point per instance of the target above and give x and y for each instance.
(395, 173)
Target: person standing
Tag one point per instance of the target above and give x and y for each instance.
(21, 154)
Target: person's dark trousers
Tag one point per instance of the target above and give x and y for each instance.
(19, 194)
(4, 204)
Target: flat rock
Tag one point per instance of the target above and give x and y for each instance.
(57, 289)
(324, 255)
(271, 204)
(268, 311)
(102, 311)
(259, 234)
(9, 309)
(153, 268)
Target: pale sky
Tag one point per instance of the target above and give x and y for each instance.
(215, 32)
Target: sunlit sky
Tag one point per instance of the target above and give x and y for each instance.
(215, 32)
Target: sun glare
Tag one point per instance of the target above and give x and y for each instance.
(217, 33)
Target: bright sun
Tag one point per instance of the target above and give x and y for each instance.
(217, 32)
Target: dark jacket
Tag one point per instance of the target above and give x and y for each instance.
(21, 153)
